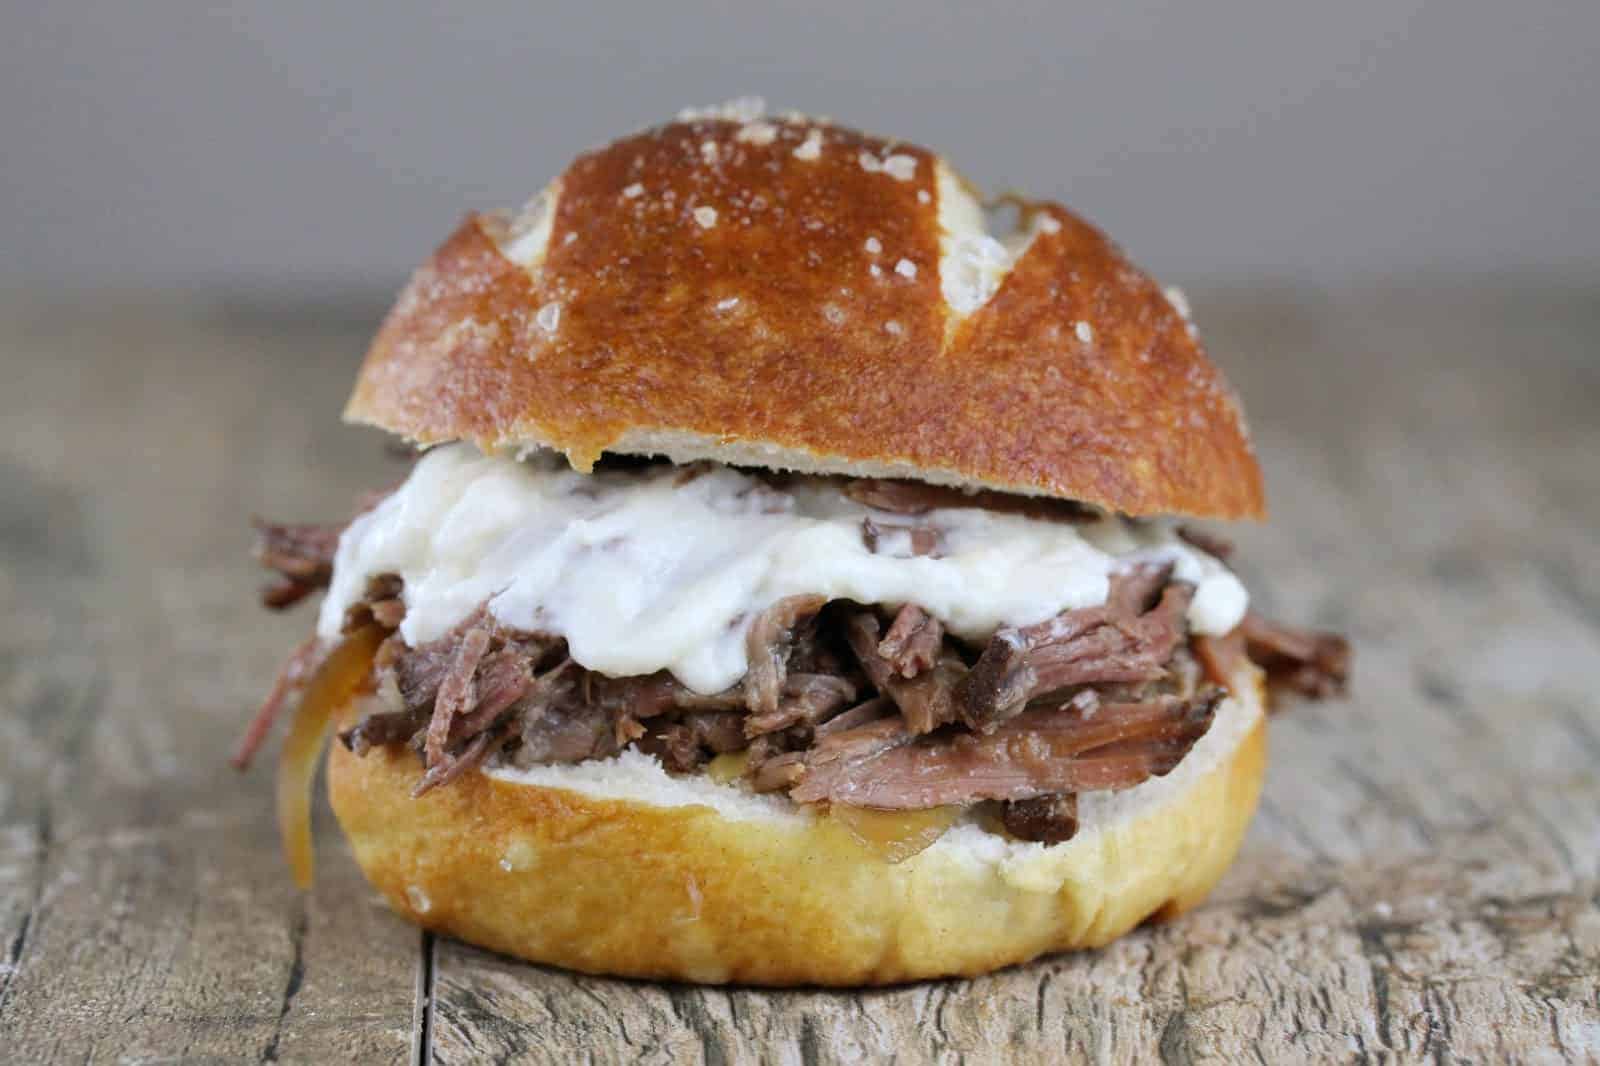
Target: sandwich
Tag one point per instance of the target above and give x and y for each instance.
(794, 582)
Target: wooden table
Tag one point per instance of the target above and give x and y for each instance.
(1423, 880)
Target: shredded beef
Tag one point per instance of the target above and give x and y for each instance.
(473, 755)
(690, 741)
(1126, 640)
(807, 700)
(1311, 663)
(300, 552)
(862, 713)
(840, 703)
(302, 556)
(503, 678)
(382, 728)
(1136, 589)
(926, 700)
(837, 753)
(458, 695)
(913, 642)
(1308, 663)
(920, 539)
(916, 497)
(380, 602)
(564, 732)
(285, 592)
(767, 647)
(457, 692)
(1048, 819)
(1034, 754)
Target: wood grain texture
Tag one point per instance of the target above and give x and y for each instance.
(1422, 884)
(145, 914)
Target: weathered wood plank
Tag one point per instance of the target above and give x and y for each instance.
(1418, 960)
(143, 909)
(1423, 881)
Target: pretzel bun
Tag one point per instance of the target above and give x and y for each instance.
(794, 294)
(617, 868)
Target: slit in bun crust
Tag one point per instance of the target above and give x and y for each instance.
(579, 878)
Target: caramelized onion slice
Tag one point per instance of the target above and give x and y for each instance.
(895, 836)
(1222, 657)
(728, 767)
(341, 675)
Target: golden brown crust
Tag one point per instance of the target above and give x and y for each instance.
(763, 331)
(608, 886)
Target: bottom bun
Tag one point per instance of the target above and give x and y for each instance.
(614, 867)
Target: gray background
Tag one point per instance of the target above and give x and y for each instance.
(306, 147)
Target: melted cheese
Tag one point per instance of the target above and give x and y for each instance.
(648, 570)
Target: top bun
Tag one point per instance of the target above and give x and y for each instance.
(788, 293)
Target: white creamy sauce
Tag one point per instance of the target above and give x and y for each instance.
(647, 570)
